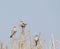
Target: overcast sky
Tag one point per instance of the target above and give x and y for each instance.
(40, 15)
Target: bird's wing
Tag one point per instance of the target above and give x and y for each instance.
(12, 33)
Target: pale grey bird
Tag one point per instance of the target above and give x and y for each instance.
(14, 30)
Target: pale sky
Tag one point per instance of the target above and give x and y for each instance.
(40, 15)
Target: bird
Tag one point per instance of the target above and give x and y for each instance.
(14, 30)
(36, 39)
(22, 24)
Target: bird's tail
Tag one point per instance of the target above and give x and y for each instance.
(11, 36)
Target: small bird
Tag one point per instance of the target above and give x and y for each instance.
(14, 30)
(22, 24)
(36, 39)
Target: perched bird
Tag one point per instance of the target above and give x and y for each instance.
(36, 39)
(14, 30)
(22, 24)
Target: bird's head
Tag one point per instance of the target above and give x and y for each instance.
(14, 28)
(22, 24)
